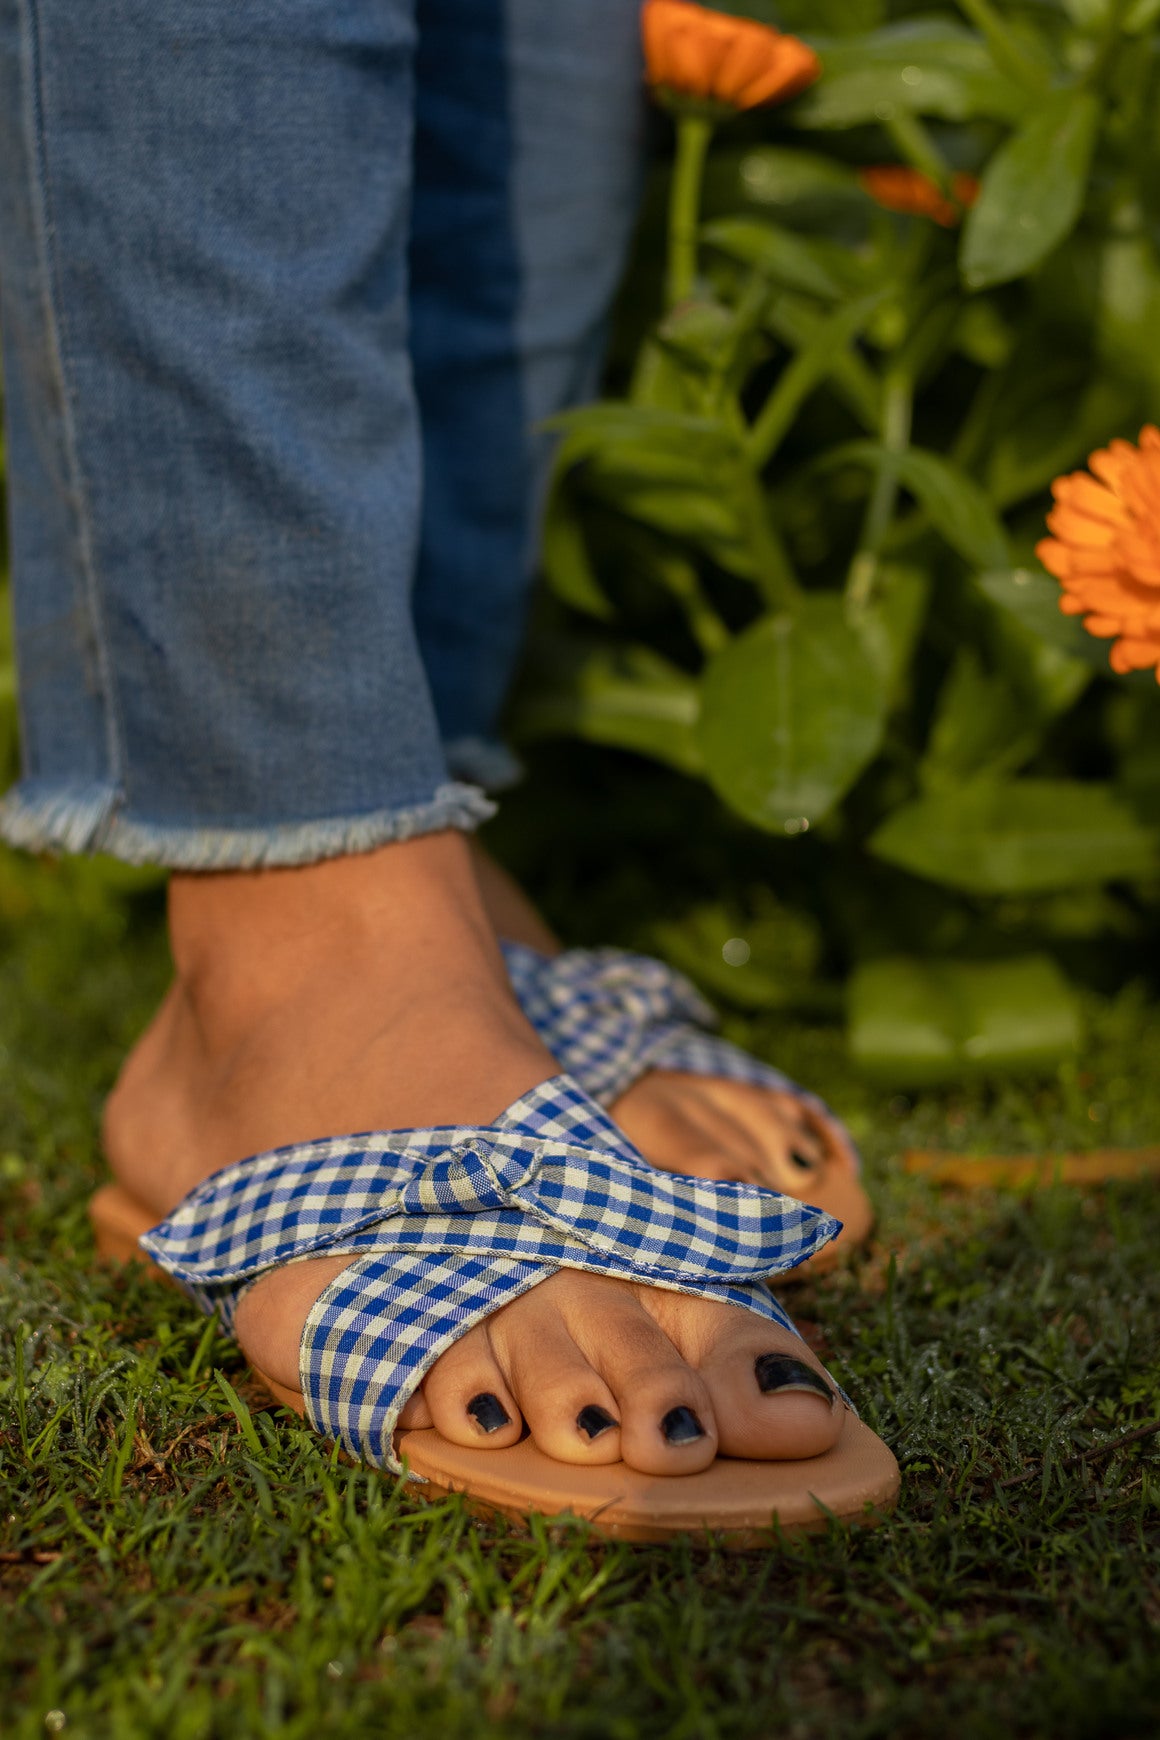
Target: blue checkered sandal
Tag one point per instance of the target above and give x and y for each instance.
(609, 1016)
(445, 1226)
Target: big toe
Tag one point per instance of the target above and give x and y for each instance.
(771, 1400)
(770, 1397)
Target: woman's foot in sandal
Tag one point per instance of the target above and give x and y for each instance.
(368, 993)
(704, 1124)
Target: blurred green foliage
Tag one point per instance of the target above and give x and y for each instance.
(789, 557)
(790, 554)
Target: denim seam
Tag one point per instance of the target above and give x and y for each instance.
(92, 611)
(83, 819)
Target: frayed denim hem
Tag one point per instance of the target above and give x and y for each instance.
(483, 761)
(43, 816)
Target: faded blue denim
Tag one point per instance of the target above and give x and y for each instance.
(285, 288)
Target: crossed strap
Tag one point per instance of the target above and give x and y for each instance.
(448, 1224)
(608, 1016)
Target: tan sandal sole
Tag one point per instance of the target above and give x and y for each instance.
(855, 1482)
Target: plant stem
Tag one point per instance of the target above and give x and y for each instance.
(1009, 57)
(1096, 75)
(682, 580)
(814, 361)
(693, 135)
(897, 407)
(914, 142)
(795, 324)
(775, 578)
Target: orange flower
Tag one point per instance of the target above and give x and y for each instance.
(1106, 548)
(898, 188)
(721, 59)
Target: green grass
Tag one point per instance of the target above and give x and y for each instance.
(181, 1560)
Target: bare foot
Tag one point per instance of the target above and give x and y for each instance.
(709, 1126)
(368, 993)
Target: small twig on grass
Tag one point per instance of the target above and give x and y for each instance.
(1082, 1456)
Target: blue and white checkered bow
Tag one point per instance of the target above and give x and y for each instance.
(608, 1016)
(449, 1224)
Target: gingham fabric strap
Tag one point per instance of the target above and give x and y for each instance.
(449, 1224)
(608, 1016)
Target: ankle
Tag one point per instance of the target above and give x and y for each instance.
(244, 942)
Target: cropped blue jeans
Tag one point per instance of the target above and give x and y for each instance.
(286, 289)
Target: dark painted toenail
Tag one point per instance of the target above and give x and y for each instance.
(593, 1420)
(776, 1372)
(681, 1426)
(488, 1411)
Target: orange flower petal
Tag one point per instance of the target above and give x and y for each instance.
(1081, 529)
(1082, 492)
(1134, 655)
(1056, 557)
(1102, 625)
(1105, 548)
(896, 187)
(722, 59)
(1111, 463)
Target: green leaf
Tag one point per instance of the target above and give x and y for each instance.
(992, 717)
(701, 354)
(955, 504)
(1094, 15)
(818, 268)
(792, 711)
(763, 959)
(1022, 836)
(1038, 434)
(983, 334)
(889, 625)
(1129, 294)
(627, 697)
(1031, 597)
(915, 1023)
(984, 724)
(240, 1412)
(777, 176)
(921, 68)
(564, 555)
(684, 475)
(804, 16)
(1032, 191)
(978, 726)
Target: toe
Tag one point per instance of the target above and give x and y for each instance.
(668, 1422)
(571, 1413)
(468, 1396)
(583, 1342)
(416, 1413)
(771, 1398)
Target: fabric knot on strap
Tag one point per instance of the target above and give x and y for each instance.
(463, 1181)
(449, 1224)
